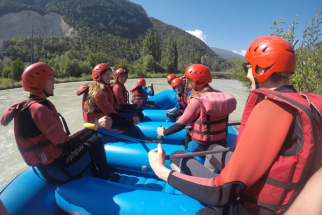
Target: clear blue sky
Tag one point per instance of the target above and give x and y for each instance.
(234, 24)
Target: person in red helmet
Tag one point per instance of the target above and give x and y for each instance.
(179, 87)
(170, 78)
(140, 93)
(98, 101)
(277, 147)
(122, 95)
(40, 135)
(207, 111)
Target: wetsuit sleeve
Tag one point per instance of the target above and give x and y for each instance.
(53, 130)
(176, 127)
(129, 106)
(148, 90)
(256, 151)
(178, 105)
(191, 113)
(174, 109)
(101, 100)
(121, 121)
(118, 92)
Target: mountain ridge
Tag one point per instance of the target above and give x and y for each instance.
(226, 54)
(112, 30)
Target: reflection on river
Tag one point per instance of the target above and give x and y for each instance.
(69, 105)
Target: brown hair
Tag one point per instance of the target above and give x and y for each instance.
(197, 93)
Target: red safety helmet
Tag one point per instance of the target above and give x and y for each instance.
(170, 77)
(199, 74)
(35, 75)
(141, 82)
(120, 72)
(176, 82)
(270, 52)
(97, 71)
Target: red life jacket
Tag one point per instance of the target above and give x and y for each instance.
(92, 117)
(125, 95)
(38, 149)
(136, 95)
(211, 125)
(182, 99)
(287, 176)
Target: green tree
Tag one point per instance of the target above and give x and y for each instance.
(172, 56)
(17, 68)
(7, 62)
(308, 74)
(198, 57)
(151, 45)
(91, 59)
(1, 67)
(238, 72)
(5, 72)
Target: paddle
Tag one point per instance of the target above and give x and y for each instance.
(233, 123)
(114, 134)
(193, 154)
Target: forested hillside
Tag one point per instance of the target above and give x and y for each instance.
(111, 31)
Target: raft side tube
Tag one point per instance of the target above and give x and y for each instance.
(133, 157)
(165, 100)
(148, 131)
(28, 194)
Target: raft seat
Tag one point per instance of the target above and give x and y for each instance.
(90, 195)
(145, 181)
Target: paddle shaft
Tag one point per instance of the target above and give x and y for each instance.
(115, 134)
(193, 154)
(124, 137)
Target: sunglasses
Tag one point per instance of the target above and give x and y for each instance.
(246, 66)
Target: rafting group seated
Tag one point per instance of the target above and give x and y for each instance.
(275, 153)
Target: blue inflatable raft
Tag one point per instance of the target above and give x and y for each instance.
(137, 190)
(165, 100)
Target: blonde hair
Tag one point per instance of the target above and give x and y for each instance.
(94, 88)
(197, 93)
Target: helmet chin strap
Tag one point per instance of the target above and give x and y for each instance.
(256, 83)
(104, 82)
(48, 94)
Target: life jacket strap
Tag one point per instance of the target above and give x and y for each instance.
(209, 133)
(265, 204)
(140, 96)
(212, 122)
(95, 111)
(65, 124)
(35, 147)
(284, 184)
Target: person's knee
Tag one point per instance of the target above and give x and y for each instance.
(214, 147)
(176, 163)
(94, 144)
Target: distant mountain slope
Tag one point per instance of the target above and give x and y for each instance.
(186, 43)
(111, 30)
(228, 55)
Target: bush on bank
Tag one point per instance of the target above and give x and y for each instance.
(308, 74)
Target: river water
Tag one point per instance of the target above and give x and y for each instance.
(69, 106)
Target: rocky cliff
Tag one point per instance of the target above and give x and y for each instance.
(20, 25)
